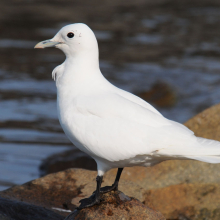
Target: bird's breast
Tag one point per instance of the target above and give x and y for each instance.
(72, 123)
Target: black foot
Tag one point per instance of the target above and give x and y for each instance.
(88, 202)
(106, 189)
(114, 186)
(95, 197)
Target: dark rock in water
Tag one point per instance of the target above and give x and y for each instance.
(69, 159)
(16, 210)
(116, 205)
(161, 94)
(3, 217)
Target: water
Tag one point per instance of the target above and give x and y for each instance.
(165, 47)
(19, 162)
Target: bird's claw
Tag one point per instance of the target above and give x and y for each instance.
(106, 189)
(88, 202)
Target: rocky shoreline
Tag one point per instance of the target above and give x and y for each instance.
(56, 195)
(177, 189)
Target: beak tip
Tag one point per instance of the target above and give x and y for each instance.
(46, 43)
(38, 46)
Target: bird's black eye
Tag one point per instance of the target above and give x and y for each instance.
(70, 35)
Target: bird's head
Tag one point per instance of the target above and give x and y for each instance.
(73, 39)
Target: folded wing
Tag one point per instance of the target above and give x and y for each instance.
(117, 128)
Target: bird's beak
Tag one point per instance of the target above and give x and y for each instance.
(47, 43)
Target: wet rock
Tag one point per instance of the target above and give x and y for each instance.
(116, 205)
(68, 159)
(3, 217)
(161, 95)
(15, 210)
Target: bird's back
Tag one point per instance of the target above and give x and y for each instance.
(112, 124)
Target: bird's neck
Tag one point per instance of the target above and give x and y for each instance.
(78, 72)
(85, 62)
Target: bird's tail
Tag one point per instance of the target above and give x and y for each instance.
(207, 159)
(201, 149)
(209, 151)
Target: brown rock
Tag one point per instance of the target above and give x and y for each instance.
(206, 124)
(116, 205)
(172, 187)
(63, 190)
(186, 201)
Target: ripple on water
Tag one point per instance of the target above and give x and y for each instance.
(14, 43)
(19, 162)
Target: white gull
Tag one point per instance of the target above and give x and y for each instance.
(115, 127)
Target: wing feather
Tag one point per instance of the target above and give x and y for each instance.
(118, 129)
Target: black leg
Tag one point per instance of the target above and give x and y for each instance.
(94, 198)
(114, 186)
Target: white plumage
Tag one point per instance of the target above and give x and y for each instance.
(116, 128)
